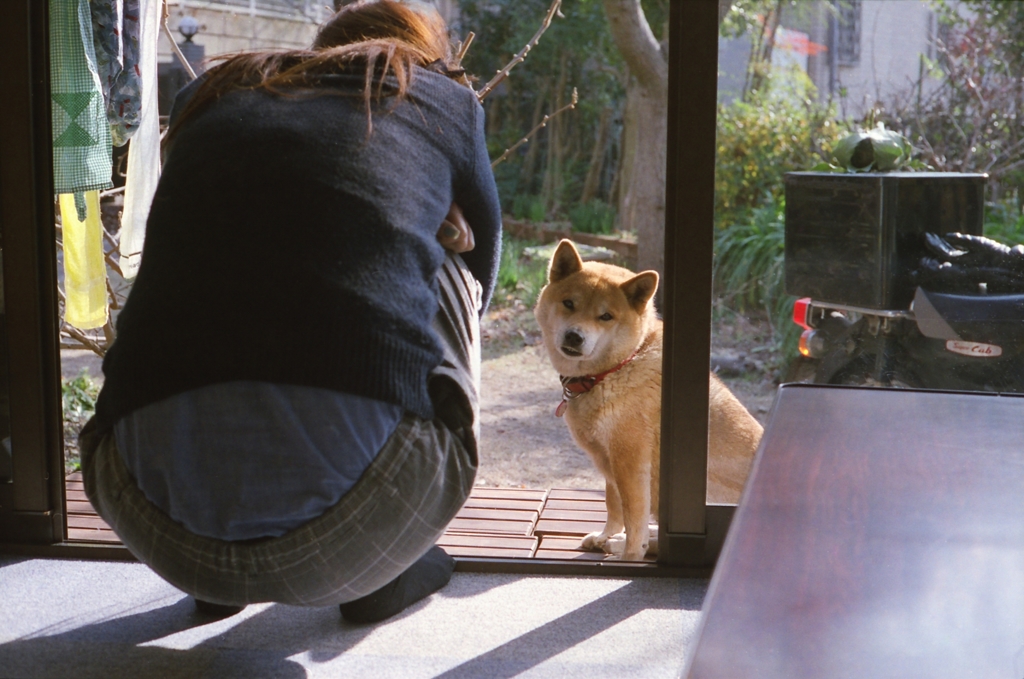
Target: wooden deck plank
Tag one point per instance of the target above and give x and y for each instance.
(508, 493)
(499, 503)
(552, 527)
(87, 535)
(585, 504)
(491, 546)
(565, 548)
(87, 522)
(497, 514)
(76, 495)
(499, 541)
(571, 515)
(80, 507)
(488, 552)
(490, 527)
(575, 494)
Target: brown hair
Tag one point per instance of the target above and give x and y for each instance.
(385, 37)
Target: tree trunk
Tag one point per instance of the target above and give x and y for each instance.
(556, 147)
(642, 184)
(593, 180)
(529, 167)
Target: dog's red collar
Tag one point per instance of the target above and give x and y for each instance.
(574, 387)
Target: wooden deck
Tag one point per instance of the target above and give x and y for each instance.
(501, 523)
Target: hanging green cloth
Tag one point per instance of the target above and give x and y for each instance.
(81, 133)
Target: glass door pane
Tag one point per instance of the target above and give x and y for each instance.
(852, 139)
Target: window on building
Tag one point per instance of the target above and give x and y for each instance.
(848, 33)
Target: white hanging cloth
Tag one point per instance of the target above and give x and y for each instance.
(144, 154)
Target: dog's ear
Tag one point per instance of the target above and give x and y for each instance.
(565, 262)
(640, 288)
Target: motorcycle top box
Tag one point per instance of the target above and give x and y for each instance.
(854, 239)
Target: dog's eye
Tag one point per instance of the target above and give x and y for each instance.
(568, 304)
(605, 316)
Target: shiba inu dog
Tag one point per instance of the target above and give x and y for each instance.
(604, 338)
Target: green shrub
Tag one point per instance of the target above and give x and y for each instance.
(1004, 222)
(78, 399)
(78, 396)
(596, 216)
(782, 129)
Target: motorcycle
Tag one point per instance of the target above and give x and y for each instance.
(943, 341)
(884, 300)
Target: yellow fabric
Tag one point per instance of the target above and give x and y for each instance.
(85, 273)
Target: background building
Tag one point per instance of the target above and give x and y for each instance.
(856, 52)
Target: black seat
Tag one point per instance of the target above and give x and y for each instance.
(973, 318)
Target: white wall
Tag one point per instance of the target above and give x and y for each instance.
(894, 35)
(232, 28)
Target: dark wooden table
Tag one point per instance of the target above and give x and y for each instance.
(881, 535)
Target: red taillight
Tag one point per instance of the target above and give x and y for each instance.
(802, 312)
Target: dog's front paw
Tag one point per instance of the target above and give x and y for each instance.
(616, 544)
(628, 556)
(595, 542)
(616, 548)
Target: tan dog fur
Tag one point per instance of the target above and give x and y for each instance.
(618, 422)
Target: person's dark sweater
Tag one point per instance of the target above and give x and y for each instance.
(286, 245)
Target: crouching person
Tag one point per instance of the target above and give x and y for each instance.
(290, 409)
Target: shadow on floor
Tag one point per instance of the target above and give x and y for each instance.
(118, 647)
(535, 647)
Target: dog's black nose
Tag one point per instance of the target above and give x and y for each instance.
(572, 339)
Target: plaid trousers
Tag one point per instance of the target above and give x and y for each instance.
(394, 513)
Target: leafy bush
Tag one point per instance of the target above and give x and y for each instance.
(593, 217)
(782, 128)
(1004, 222)
(78, 398)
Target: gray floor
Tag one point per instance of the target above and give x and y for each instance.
(92, 619)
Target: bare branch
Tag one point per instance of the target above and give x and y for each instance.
(85, 340)
(463, 48)
(174, 46)
(518, 58)
(543, 123)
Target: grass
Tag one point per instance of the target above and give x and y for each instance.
(519, 277)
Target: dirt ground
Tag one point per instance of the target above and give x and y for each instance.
(524, 444)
